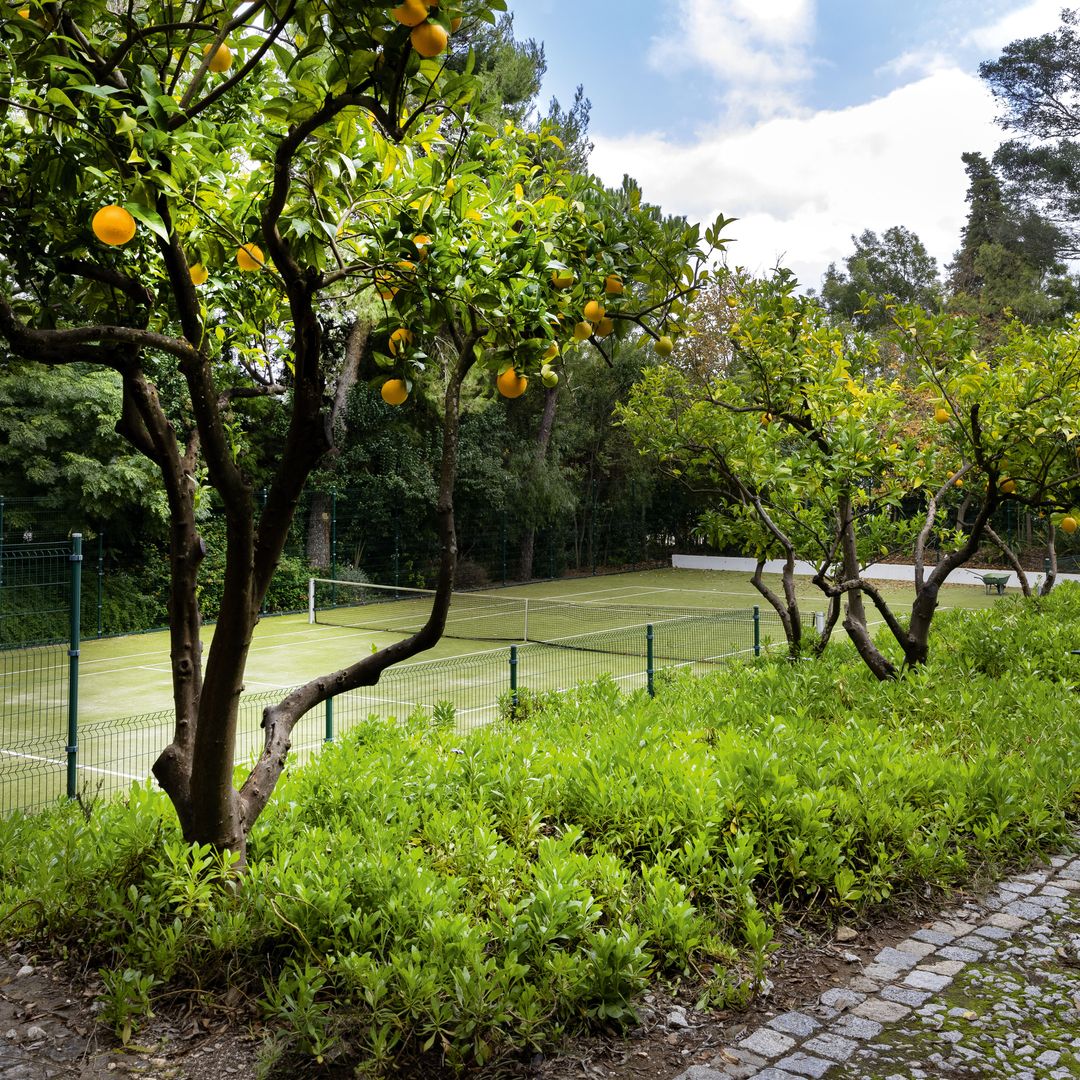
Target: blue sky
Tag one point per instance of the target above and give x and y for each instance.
(809, 120)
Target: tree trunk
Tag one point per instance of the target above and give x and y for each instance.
(318, 531)
(831, 617)
(1050, 579)
(318, 523)
(1011, 559)
(916, 642)
(788, 608)
(543, 441)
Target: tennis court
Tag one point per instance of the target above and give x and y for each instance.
(125, 689)
(130, 675)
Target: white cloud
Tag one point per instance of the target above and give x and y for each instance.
(1031, 20)
(758, 49)
(802, 185)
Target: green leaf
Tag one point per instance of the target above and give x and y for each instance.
(149, 218)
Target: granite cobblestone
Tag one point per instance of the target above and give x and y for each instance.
(989, 990)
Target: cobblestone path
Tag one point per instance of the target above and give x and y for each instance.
(991, 990)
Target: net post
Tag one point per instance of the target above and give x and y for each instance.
(72, 748)
(525, 626)
(513, 676)
(311, 601)
(1, 544)
(329, 735)
(757, 630)
(819, 622)
(649, 666)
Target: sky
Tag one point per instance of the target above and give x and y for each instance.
(808, 120)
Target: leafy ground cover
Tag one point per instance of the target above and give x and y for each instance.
(420, 894)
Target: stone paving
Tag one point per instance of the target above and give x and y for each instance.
(990, 990)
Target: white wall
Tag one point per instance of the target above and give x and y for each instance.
(877, 571)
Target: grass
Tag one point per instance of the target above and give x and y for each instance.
(418, 897)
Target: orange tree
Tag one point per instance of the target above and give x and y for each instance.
(188, 192)
(813, 454)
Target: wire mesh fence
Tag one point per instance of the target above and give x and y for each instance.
(467, 691)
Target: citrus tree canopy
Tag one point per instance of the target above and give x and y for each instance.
(189, 195)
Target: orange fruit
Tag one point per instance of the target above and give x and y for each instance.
(221, 60)
(429, 39)
(766, 419)
(552, 351)
(511, 384)
(408, 267)
(604, 327)
(941, 414)
(1068, 524)
(422, 243)
(198, 273)
(594, 311)
(455, 24)
(410, 12)
(562, 279)
(400, 340)
(1007, 486)
(394, 391)
(250, 257)
(613, 284)
(24, 13)
(582, 331)
(113, 225)
(663, 345)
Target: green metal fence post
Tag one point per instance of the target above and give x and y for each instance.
(757, 630)
(513, 676)
(100, 583)
(329, 719)
(649, 671)
(72, 748)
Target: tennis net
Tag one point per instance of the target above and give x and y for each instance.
(679, 633)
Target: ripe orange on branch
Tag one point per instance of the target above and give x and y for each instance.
(400, 340)
(941, 414)
(410, 12)
(394, 391)
(613, 285)
(113, 225)
(663, 346)
(250, 257)
(562, 279)
(222, 59)
(1068, 524)
(594, 311)
(429, 39)
(511, 384)
(198, 273)
(1007, 486)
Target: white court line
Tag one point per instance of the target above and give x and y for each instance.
(63, 765)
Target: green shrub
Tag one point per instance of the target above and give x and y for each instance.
(418, 892)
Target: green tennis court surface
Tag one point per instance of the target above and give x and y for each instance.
(125, 693)
(130, 675)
